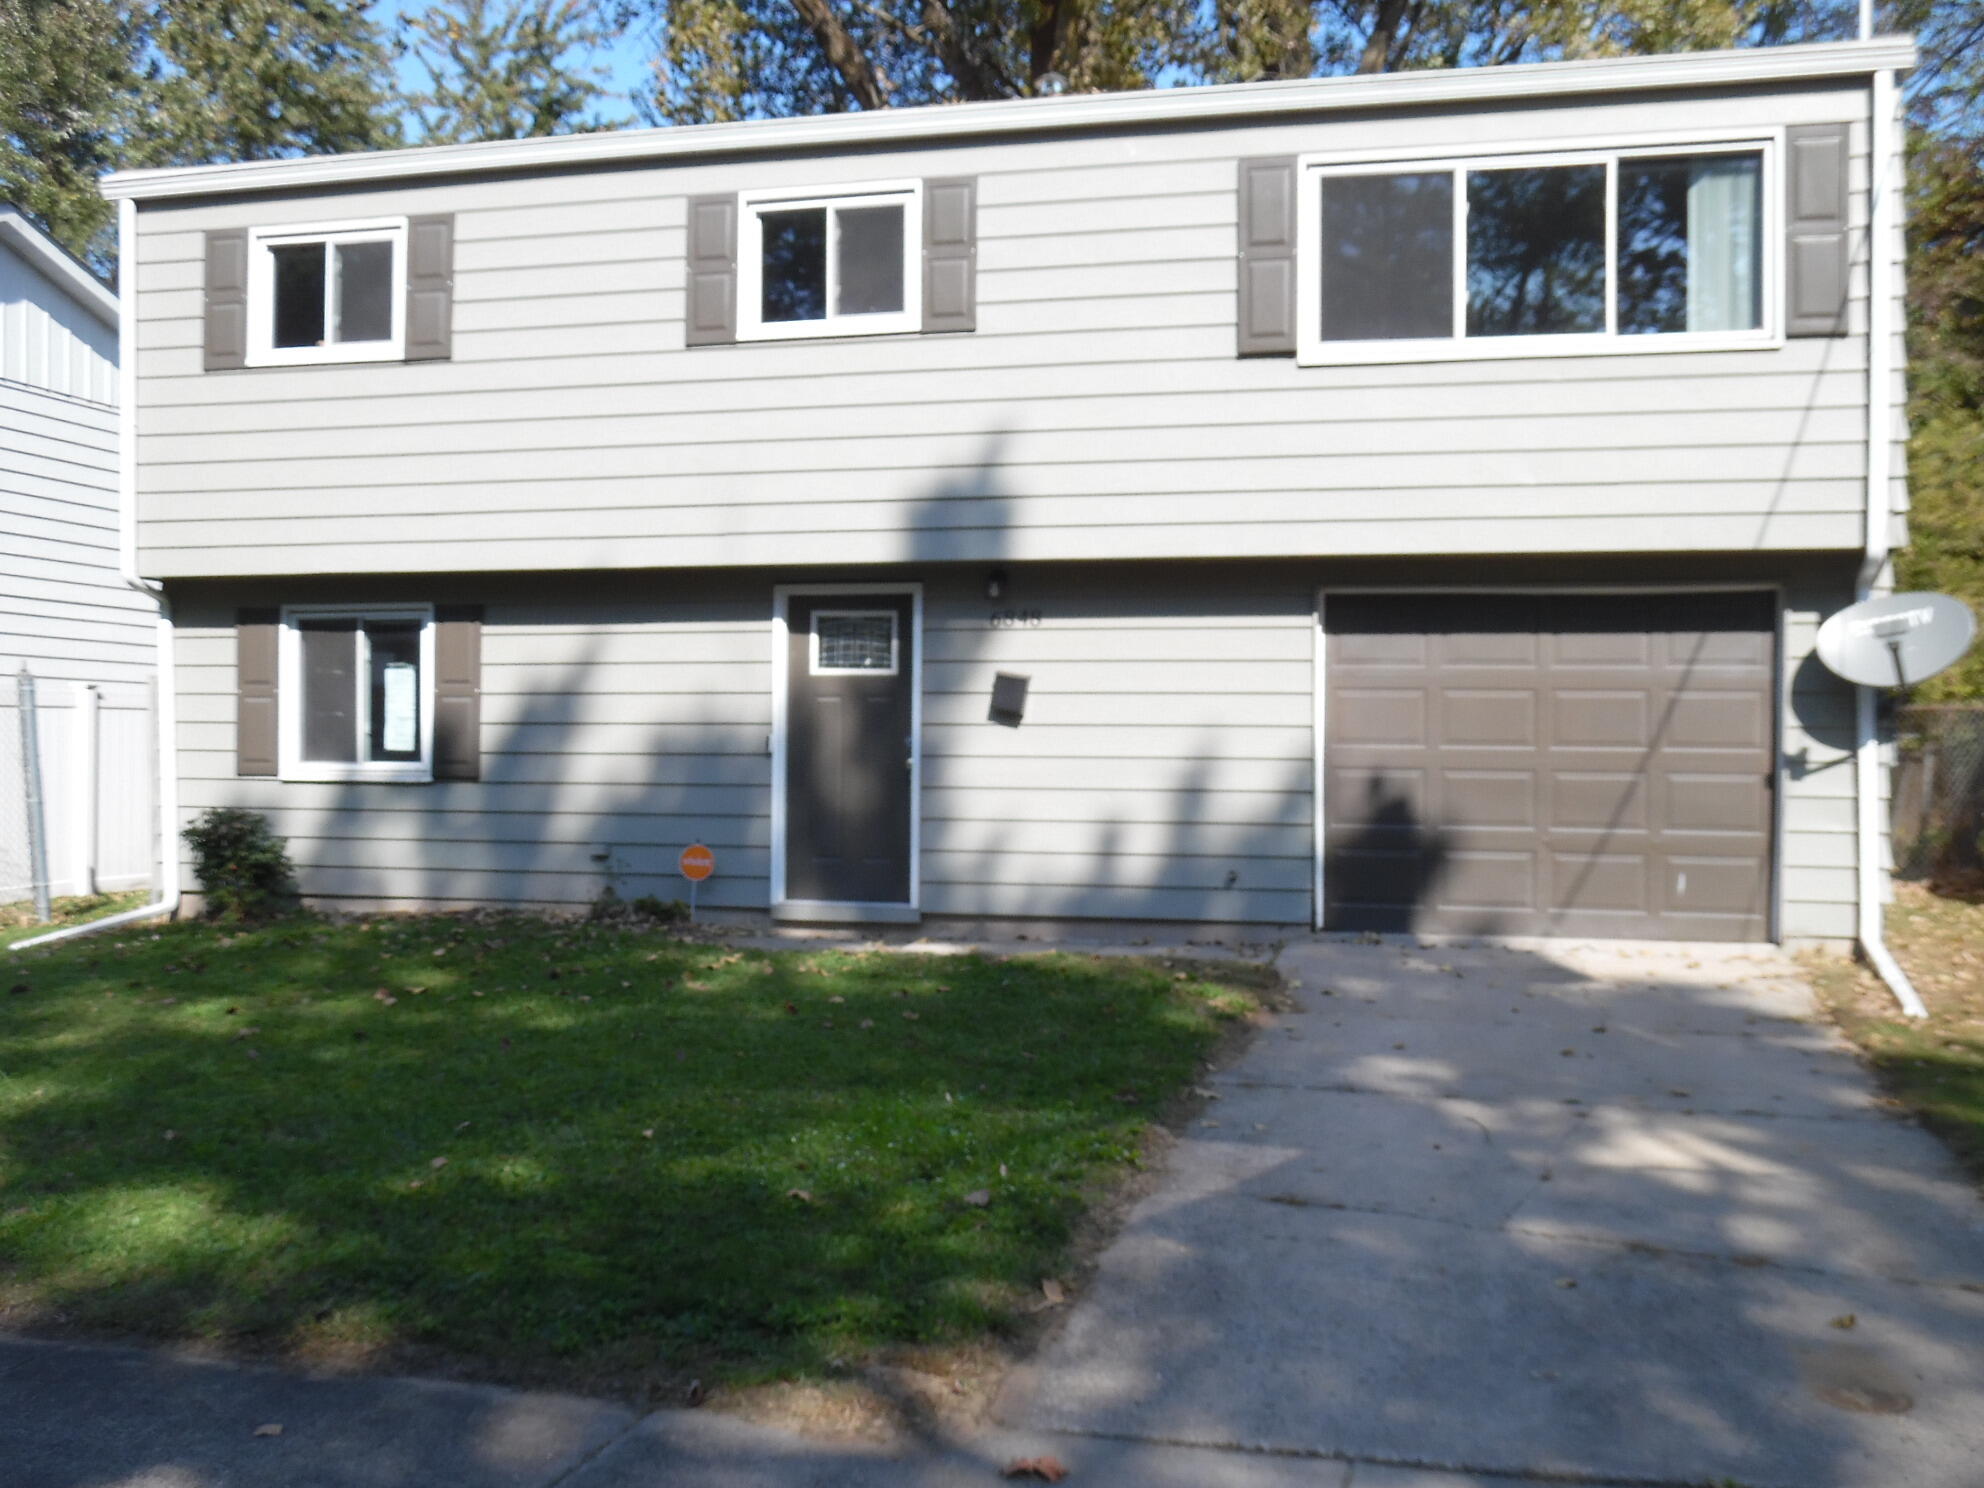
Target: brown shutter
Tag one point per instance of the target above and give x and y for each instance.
(255, 651)
(950, 254)
(712, 309)
(430, 288)
(227, 300)
(1267, 257)
(458, 692)
(1815, 230)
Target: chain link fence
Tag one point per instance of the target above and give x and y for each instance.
(1938, 803)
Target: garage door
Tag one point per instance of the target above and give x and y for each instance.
(1549, 764)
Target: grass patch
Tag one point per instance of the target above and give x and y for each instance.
(574, 1152)
(1934, 1067)
(17, 921)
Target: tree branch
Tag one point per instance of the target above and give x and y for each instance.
(845, 55)
(976, 77)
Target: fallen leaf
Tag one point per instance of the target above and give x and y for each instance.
(867, 1022)
(274, 1428)
(978, 1198)
(803, 1195)
(1045, 1469)
(911, 1016)
(1054, 1292)
(648, 1132)
(461, 1126)
(1844, 1321)
(438, 1163)
(1567, 1282)
(171, 1136)
(792, 1008)
(836, 998)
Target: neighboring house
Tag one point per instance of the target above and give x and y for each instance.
(64, 610)
(67, 617)
(1376, 501)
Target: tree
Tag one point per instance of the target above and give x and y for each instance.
(261, 79)
(739, 59)
(1946, 385)
(88, 86)
(507, 69)
(64, 69)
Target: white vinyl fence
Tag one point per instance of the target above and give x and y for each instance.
(91, 802)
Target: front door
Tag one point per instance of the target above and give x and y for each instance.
(850, 747)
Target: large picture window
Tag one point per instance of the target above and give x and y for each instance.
(1624, 250)
(327, 294)
(357, 693)
(839, 264)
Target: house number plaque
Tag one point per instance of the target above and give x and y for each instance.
(1015, 619)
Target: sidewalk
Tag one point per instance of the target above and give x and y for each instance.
(93, 1416)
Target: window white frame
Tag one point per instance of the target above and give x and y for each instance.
(262, 350)
(751, 207)
(813, 644)
(289, 696)
(1313, 350)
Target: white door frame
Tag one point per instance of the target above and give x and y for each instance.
(1780, 700)
(838, 911)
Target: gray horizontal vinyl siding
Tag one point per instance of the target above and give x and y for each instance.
(65, 610)
(1162, 771)
(1098, 410)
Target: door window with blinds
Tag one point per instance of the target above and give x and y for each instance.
(1558, 254)
(841, 263)
(854, 643)
(327, 293)
(356, 690)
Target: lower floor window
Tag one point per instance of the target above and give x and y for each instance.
(358, 685)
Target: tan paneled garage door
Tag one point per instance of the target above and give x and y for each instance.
(1549, 764)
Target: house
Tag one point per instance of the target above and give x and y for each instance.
(64, 611)
(68, 620)
(1372, 502)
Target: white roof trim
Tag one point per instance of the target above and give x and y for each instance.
(56, 265)
(1833, 59)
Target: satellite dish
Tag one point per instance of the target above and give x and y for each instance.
(1898, 639)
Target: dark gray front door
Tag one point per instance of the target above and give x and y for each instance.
(1550, 764)
(850, 668)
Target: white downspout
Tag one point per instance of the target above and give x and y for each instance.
(167, 902)
(1881, 225)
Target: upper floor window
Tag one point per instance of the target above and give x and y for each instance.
(1533, 255)
(327, 293)
(846, 263)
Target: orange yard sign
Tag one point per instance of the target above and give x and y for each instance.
(698, 863)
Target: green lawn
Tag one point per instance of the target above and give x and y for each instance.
(1934, 1067)
(546, 1149)
(17, 921)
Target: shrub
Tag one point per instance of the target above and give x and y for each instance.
(609, 908)
(243, 866)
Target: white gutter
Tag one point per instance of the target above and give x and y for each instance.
(167, 902)
(1532, 82)
(1881, 225)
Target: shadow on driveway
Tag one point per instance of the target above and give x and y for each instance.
(1615, 1213)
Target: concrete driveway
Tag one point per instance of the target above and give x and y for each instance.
(1606, 1214)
